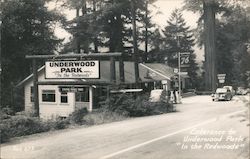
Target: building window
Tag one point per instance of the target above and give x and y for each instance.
(31, 94)
(48, 96)
(82, 96)
(64, 97)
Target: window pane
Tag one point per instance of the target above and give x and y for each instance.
(64, 97)
(82, 96)
(48, 96)
(31, 94)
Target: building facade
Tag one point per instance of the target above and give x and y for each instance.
(62, 100)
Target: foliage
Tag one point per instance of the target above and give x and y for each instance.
(27, 28)
(232, 37)
(105, 24)
(157, 46)
(179, 38)
(102, 116)
(233, 56)
(77, 116)
(127, 105)
(21, 125)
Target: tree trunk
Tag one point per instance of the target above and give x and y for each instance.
(78, 49)
(146, 32)
(95, 38)
(210, 54)
(86, 42)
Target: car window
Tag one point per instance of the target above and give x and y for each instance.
(221, 90)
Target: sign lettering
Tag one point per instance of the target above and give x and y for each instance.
(185, 59)
(72, 69)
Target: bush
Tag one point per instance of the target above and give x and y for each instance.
(7, 110)
(77, 116)
(20, 126)
(57, 123)
(127, 105)
(3, 115)
(102, 116)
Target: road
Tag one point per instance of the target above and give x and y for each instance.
(200, 129)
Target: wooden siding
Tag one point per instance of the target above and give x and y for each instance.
(49, 109)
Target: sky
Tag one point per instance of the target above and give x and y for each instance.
(164, 7)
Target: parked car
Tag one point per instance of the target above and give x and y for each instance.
(222, 94)
(241, 91)
(231, 89)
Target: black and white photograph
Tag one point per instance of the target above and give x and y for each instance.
(124, 79)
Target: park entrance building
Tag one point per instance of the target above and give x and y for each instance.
(60, 97)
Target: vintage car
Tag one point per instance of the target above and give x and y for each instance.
(241, 91)
(222, 94)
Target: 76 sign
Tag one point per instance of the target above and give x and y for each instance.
(185, 59)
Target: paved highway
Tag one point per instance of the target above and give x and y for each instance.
(200, 129)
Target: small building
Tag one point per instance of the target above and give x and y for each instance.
(62, 100)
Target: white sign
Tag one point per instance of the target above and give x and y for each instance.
(221, 76)
(176, 70)
(221, 81)
(164, 82)
(183, 73)
(72, 69)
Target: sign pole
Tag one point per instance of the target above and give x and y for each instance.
(35, 87)
(112, 70)
(179, 73)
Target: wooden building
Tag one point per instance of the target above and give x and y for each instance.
(61, 100)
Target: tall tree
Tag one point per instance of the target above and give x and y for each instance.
(232, 36)
(233, 40)
(147, 29)
(179, 38)
(27, 29)
(156, 46)
(107, 23)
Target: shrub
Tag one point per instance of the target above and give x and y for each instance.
(21, 125)
(127, 105)
(102, 116)
(3, 115)
(77, 116)
(57, 123)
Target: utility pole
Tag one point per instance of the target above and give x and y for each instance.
(210, 54)
(179, 67)
(135, 47)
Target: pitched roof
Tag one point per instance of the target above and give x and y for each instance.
(148, 72)
(30, 77)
